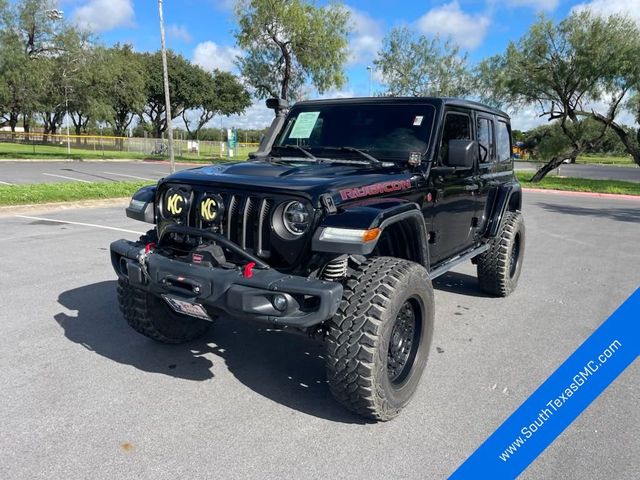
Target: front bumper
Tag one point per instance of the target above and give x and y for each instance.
(309, 301)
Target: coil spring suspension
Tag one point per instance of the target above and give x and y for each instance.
(335, 269)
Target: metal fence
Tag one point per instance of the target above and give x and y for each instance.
(40, 144)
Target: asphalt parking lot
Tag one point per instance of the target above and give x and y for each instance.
(83, 396)
(14, 173)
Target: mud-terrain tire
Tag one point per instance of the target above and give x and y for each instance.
(386, 314)
(152, 317)
(499, 267)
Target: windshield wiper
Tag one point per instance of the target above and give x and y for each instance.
(307, 153)
(371, 159)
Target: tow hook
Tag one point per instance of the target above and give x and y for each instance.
(247, 271)
(142, 258)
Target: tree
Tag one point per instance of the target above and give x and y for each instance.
(290, 42)
(36, 60)
(564, 69)
(19, 83)
(26, 34)
(66, 82)
(221, 93)
(79, 73)
(419, 67)
(121, 80)
(184, 83)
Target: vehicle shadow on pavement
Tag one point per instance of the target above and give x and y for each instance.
(461, 283)
(285, 368)
(619, 214)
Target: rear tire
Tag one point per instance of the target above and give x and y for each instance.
(499, 267)
(149, 315)
(378, 341)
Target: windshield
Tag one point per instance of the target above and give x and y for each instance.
(388, 131)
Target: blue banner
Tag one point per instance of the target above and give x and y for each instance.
(560, 399)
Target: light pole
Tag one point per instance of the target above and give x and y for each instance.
(66, 109)
(167, 97)
(370, 70)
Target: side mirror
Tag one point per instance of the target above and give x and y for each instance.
(462, 153)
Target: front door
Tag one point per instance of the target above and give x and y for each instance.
(455, 203)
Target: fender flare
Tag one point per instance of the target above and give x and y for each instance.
(142, 206)
(368, 216)
(506, 196)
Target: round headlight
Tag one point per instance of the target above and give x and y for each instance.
(295, 218)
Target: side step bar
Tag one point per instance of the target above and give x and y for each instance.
(457, 260)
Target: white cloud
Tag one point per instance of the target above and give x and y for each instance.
(337, 94)
(257, 116)
(225, 5)
(526, 118)
(605, 8)
(210, 55)
(103, 15)
(179, 32)
(366, 37)
(548, 5)
(449, 20)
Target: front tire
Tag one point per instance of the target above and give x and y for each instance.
(499, 267)
(152, 317)
(379, 340)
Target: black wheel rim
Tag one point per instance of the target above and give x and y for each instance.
(404, 342)
(515, 256)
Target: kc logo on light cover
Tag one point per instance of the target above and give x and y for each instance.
(175, 203)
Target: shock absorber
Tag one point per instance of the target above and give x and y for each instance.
(335, 269)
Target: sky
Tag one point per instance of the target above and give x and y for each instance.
(202, 30)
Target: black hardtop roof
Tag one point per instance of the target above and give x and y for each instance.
(441, 101)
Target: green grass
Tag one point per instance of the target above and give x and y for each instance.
(74, 191)
(57, 152)
(624, 161)
(580, 184)
(65, 192)
(606, 160)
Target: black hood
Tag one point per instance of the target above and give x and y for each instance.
(309, 180)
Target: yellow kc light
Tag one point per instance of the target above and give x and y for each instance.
(209, 209)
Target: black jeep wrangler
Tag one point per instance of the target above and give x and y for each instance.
(335, 227)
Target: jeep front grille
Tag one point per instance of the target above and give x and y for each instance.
(247, 222)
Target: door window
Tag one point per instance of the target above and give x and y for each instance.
(485, 139)
(457, 126)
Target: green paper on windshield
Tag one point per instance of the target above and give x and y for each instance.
(304, 125)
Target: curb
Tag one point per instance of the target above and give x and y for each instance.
(101, 160)
(79, 160)
(620, 196)
(8, 210)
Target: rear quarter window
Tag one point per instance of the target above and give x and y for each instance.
(503, 141)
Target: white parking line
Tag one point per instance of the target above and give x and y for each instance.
(79, 223)
(68, 178)
(5, 183)
(130, 176)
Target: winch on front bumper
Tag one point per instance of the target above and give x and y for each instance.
(258, 293)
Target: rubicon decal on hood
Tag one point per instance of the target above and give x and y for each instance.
(375, 189)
